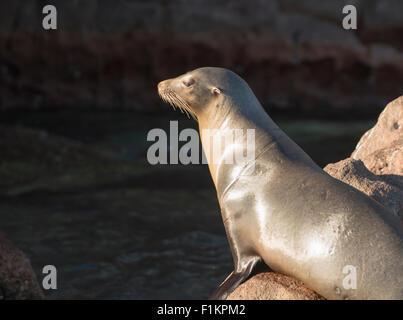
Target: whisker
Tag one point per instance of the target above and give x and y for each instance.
(174, 100)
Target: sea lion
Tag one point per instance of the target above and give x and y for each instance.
(288, 212)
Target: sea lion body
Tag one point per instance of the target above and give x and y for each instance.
(288, 212)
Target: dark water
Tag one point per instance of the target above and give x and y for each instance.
(123, 243)
(155, 235)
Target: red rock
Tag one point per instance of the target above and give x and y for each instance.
(273, 286)
(17, 279)
(387, 161)
(388, 128)
(381, 148)
(386, 189)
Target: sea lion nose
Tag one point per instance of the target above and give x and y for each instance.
(162, 85)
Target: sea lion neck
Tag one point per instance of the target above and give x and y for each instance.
(232, 113)
(238, 120)
(244, 116)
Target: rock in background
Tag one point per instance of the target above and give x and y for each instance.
(17, 279)
(381, 149)
(376, 165)
(386, 189)
(294, 54)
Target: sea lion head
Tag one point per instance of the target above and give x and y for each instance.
(199, 91)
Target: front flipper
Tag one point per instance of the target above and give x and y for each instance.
(235, 279)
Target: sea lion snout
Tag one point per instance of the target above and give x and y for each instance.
(168, 91)
(162, 85)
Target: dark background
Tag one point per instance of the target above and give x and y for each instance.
(76, 104)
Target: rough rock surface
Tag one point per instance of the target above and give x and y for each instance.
(386, 189)
(17, 279)
(381, 148)
(294, 54)
(273, 286)
(388, 160)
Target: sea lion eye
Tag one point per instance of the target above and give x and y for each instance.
(188, 83)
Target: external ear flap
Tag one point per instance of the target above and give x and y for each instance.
(215, 91)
